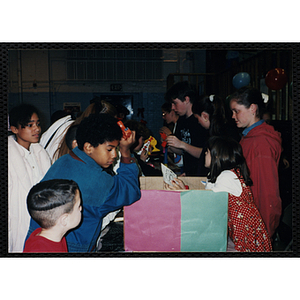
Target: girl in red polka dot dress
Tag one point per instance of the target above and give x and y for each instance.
(229, 173)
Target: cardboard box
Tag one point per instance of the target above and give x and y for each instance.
(193, 220)
(157, 183)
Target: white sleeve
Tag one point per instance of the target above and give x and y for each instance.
(228, 182)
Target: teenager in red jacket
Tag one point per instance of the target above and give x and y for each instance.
(262, 149)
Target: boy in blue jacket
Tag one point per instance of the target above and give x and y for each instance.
(97, 137)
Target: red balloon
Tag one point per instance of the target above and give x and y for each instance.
(276, 79)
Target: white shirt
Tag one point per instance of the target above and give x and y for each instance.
(228, 182)
(24, 169)
(56, 133)
(29, 156)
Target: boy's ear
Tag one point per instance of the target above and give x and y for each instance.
(187, 99)
(74, 144)
(63, 219)
(14, 129)
(88, 148)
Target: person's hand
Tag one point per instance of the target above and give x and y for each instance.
(165, 130)
(173, 141)
(177, 184)
(126, 144)
(144, 156)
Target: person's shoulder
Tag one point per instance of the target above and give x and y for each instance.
(181, 120)
(192, 119)
(60, 122)
(227, 174)
(14, 149)
(11, 140)
(33, 241)
(264, 134)
(262, 130)
(39, 151)
(36, 231)
(78, 154)
(229, 182)
(38, 146)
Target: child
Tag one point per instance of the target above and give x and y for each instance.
(97, 137)
(171, 118)
(70, 137)
(211, 114)
(190, 137)
(56, 206)
(28, 162)
(142, 133)
(229, 173)
(53, 140)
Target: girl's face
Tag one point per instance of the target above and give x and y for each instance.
(168, 116)
(207, 159)
(29, 134)
(244, 117)
(203, 120)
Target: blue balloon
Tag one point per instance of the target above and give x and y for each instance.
(241, 79)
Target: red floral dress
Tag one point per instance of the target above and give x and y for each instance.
(245, 225)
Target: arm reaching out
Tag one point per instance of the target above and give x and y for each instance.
(177, 184)
(174, 142)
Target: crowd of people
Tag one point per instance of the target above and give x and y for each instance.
(67, 185)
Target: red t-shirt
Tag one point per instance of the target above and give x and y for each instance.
(37, 243)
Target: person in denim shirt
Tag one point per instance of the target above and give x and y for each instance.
(97, 137)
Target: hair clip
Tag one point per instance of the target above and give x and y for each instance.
(211, 98)
(104, 109)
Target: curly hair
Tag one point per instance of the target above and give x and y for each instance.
(97, 106)
(98, 129)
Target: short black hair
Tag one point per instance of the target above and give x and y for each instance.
(21, 115)
(181, 90)
(98, 129)
(140, 130)
(71, 135)
(214, 106)
(167, 106)
(48, 200)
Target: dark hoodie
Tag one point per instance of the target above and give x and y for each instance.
(262, 150)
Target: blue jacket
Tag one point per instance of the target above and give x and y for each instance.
(101, 193)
